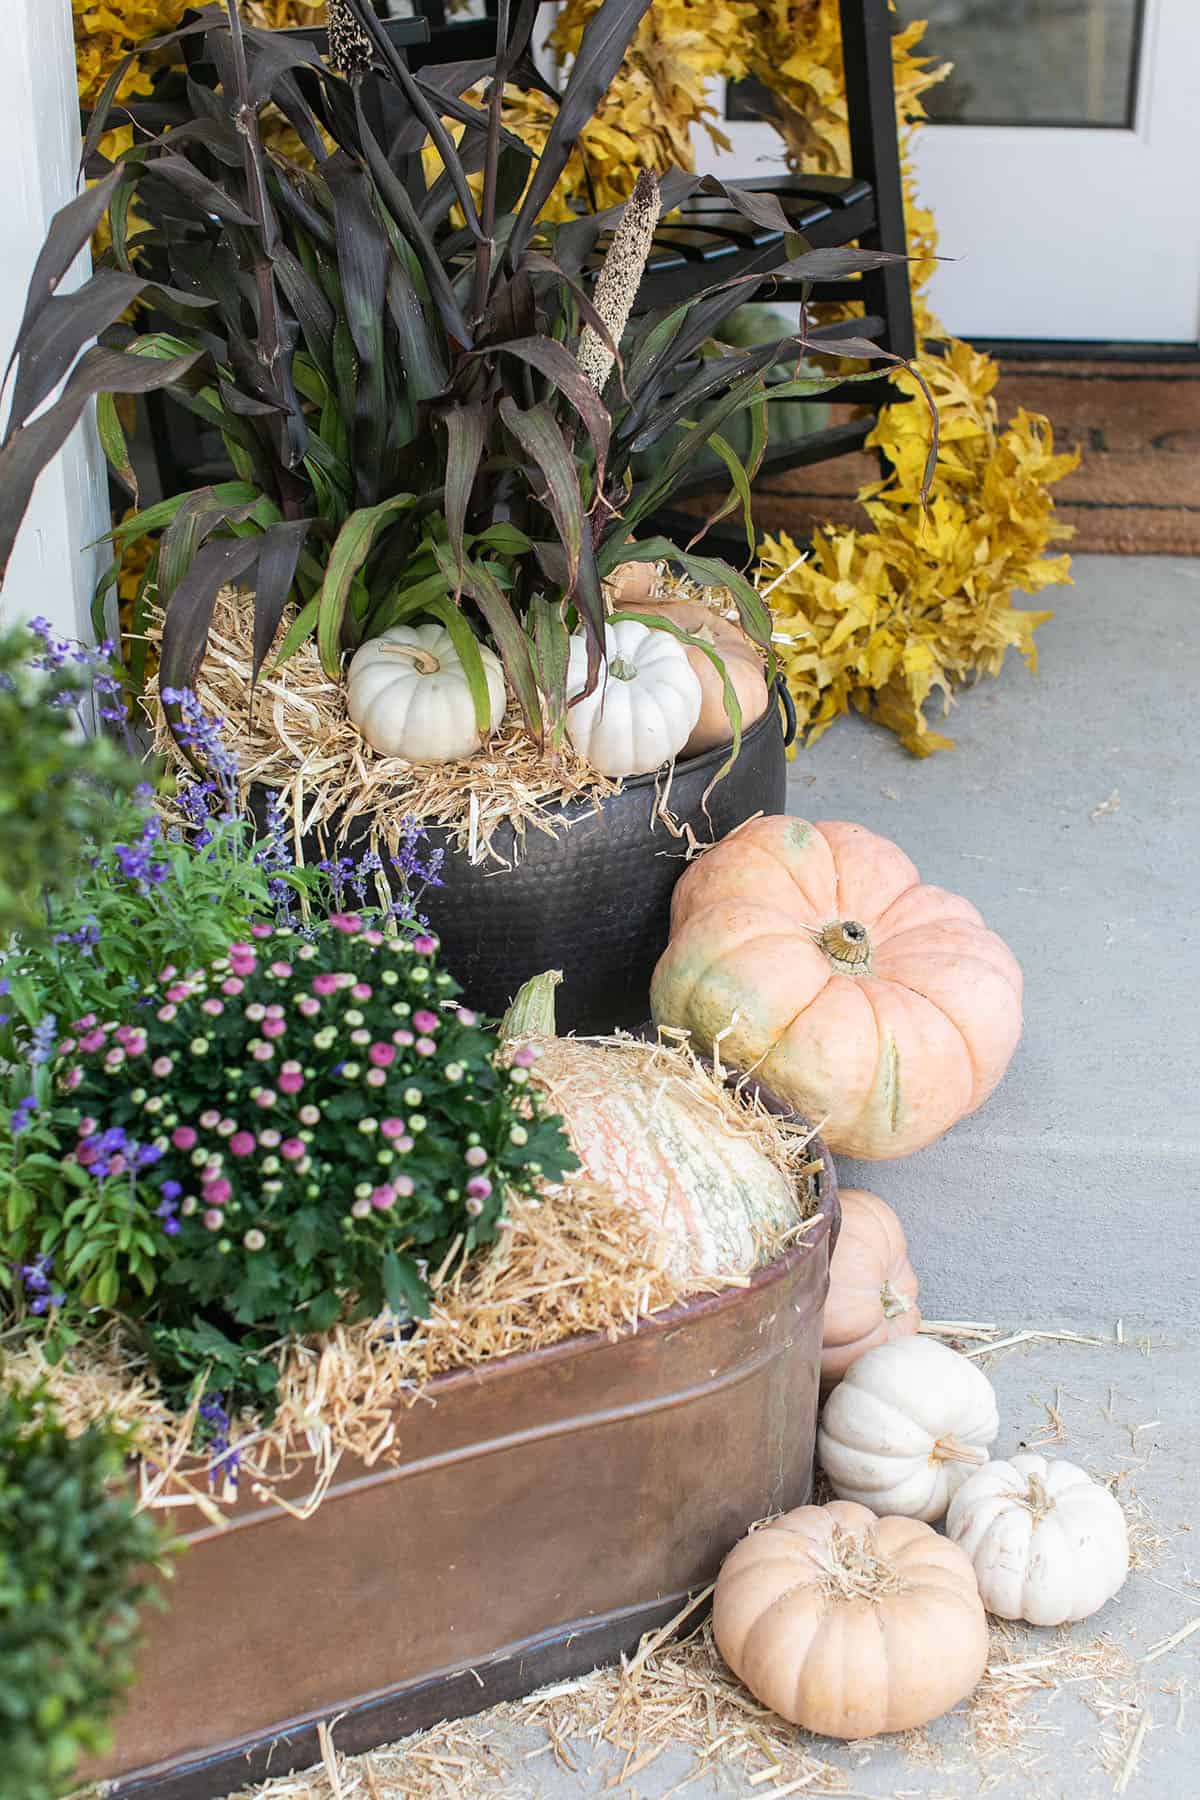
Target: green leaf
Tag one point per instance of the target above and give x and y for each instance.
(113, 444)
(463, 639)
(511, 641)
(349, 552)
(466, 430)
(539, 434)
(322, 1312)
(551, 650)
(402, 1285)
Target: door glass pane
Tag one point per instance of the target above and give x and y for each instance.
(1032, 62)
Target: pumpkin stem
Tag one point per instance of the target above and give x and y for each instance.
(531, 1013)
(846, 941)
(949, 1449)
(893, 1302)
(621, 669)
(423, 661)
(1037, 1499)
(852, 1569)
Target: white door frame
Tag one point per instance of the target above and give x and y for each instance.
(1072, 233)
(51, 572)
(1057, 232)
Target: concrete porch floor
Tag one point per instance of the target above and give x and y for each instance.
(1070, 813)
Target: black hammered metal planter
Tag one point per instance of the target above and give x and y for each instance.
(594, 899)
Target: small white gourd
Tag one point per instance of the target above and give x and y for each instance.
(407, 692)
(1049, 1544)
(907, 1424)
(644, 706)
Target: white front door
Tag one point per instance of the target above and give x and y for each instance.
(1063, 167)
(1062, 164)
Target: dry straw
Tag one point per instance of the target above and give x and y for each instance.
(675, 1694)
(295, 735)
(583, 1258)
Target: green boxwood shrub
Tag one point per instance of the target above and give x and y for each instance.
(76, 1565)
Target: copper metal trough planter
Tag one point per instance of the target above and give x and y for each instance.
(548, 1509)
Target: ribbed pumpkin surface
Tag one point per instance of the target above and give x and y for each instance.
(717, 1198)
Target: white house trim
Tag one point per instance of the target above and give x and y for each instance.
(51, 572)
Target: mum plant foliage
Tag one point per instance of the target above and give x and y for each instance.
(300, 1132)
(389, 353)
(75, 1567)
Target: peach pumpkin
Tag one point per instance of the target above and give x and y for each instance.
(743, 664)
(880, 1008)
(851, 1625)
(872, 1285)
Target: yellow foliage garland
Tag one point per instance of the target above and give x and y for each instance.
(880, 620)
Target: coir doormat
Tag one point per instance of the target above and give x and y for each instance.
(1136, 490)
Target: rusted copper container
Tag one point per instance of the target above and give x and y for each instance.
(546, 1510)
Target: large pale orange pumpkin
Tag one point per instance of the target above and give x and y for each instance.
(743, 664)
(880, 1008)
(872, 1285)
(851, 1625)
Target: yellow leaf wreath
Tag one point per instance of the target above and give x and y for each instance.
(881, 620)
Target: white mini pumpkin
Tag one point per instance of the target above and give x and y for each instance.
(408, 694)
(1049, 1544)
(645, 705)
(905, 1427)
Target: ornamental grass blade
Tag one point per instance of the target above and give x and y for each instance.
(607, 36)
(70, 229)
(314, 314)
(114, 445)
(540, 436)
(205, 195)
(509, 54)
(466, 646)
(420, 358)
(551, 649)
(278, 555)
(29, 448)
(741, 476)
(648, 375)
(553, 360)
(466, 431)
(663, 483)
(422, 106)
(758, 205)
(396, 199)
(186, 622)
(832, 264)
(511, 641)
(718, 372)
(350, 551)
(362, 251)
